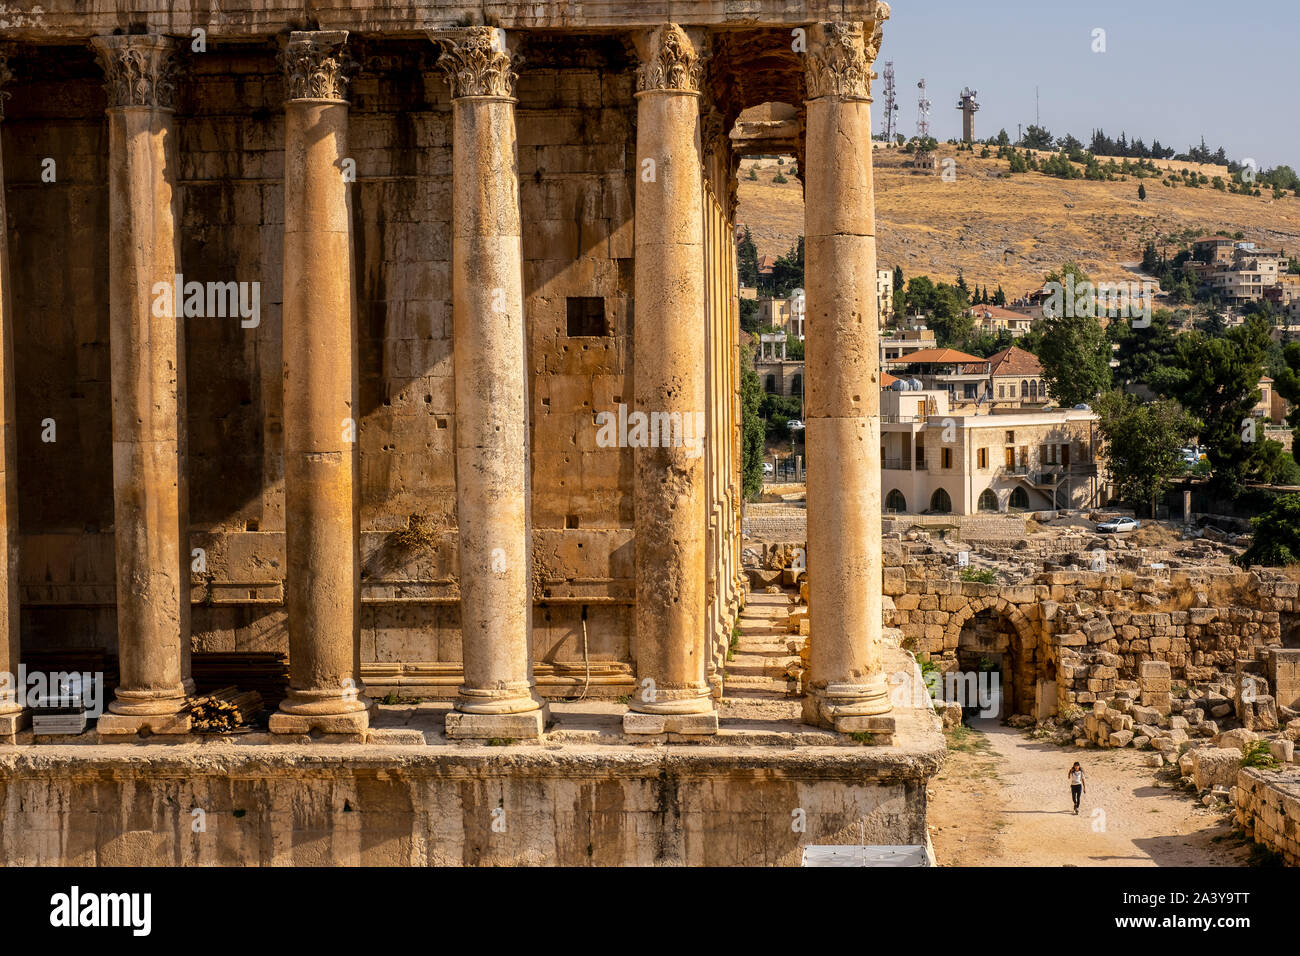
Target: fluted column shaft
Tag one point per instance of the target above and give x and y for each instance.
(146, 338)
(847, 683)
(321, 470)
(488, 340)
(11, 699)
(670, 348)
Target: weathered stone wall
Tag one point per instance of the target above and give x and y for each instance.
(376, 806)
(576, 156)
(1268, 808)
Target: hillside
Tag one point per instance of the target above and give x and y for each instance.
(1012, 229)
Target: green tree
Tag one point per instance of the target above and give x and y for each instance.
(747, 260)
(1286, 379)
(1146, 355)
(749, 315)
(1075, 352)
(1037, 137)
(1276, 541)
(1141, 444)
(787, 271)
(1216, 379)
(1142, 192)
(751, 394)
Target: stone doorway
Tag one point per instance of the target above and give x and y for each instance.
(1290, 630)
(990, 644)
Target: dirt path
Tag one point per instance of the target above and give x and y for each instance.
(1003, 800)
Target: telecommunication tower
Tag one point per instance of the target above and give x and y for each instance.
(922, 113)
(891, 100)
(968, 106)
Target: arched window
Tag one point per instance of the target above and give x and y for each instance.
(895, 503)
(771, 385)
(1019, 500)
(1024, 388)
(1033, 388)
(988, 500)
(796, 385)
(940, 502)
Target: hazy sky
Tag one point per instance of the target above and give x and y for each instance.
(1172, 71)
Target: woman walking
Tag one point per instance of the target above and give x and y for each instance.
(1078, 786)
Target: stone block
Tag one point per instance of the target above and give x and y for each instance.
(1215, 766)
(526, 726)
(693, 724)
(1141, 741)
(1121, 738)
(1237, 739)
(1158, 670)
(129, 725)
(1282, 750)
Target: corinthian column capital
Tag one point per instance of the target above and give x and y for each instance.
(315, 65)
(840, 57)
(478, 61)
(671, 60)
(140, 70)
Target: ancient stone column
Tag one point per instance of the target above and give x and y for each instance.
(322, 588)
(12, 715)
(847, 685)
(670, 346)
(492, 461)
(146, 338)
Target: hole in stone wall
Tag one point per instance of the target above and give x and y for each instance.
(586, 315)
(251, 524)
(571, 521)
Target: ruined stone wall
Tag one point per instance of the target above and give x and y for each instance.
(576, 155)
(1268, 808)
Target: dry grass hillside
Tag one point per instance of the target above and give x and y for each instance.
(1010, 230)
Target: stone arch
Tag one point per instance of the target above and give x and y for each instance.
(988, 500)
(895, 502)
(940, 502)
(1015, 617)
(1021, 660)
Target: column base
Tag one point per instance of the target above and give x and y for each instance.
(12, 723)
(128, 725)
(635, 722)
(868, 715)
(355, 722)
(530, 725)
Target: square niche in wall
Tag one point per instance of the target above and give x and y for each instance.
(586, 315)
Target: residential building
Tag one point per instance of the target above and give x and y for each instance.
(905, 342)
(934, 459)
(1015, 377)
(994, 319)
(885, 294)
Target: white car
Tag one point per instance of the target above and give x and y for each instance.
(1118, 525)
(768, 469)
(796, 425)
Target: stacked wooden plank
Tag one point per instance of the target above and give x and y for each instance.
(225, 710)
(266, 672)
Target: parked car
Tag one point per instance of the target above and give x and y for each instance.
(795, 425)
(768, 469)
(1118, 525)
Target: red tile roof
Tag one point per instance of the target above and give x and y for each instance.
(935, 357)
(1012, 361)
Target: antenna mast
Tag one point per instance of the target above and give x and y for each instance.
(922, 113)
(891, 100)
